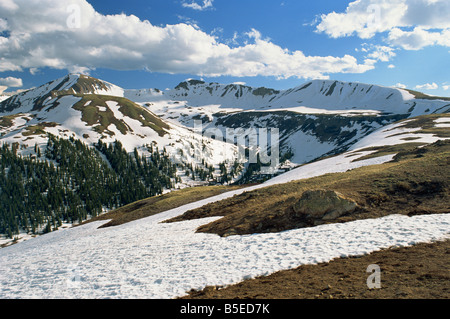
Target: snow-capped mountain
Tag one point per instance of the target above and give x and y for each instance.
(90, 110)
(318, 96)
(318, 118)
(45, 95)
(314, 119)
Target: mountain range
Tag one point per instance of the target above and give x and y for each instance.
(316, 119)
(190, 122)
(81, 150)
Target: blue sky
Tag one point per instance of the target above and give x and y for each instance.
(273, 43)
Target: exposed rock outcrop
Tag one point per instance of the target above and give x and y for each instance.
(323, 205)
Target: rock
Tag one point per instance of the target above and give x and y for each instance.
(323, 205)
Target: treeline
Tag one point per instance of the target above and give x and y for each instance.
(70, 182)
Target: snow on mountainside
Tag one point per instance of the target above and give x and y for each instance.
(325, 95)
(150, 259)
(315, 97)
(89, 109)
(318, 118)
(46, 95)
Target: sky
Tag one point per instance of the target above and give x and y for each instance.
(273, 43)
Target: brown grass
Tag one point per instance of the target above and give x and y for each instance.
(387, 150)
(416, 182)
(154, 205)
(38, 129)
(417, 272)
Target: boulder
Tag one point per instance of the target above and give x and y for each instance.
(323, 205)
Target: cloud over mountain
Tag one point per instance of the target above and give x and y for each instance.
(78, 38)
(410, 24)
(11, 82)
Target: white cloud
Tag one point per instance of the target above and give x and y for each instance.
(391, 66)
(427, 86)
(418, 38)
(11, 82)
(196, 6)
(188, 20)
(34, 71)
(379, 52)
(45, 38)
(400, 86)
(365, 18)
(8, 5)
(445, 87)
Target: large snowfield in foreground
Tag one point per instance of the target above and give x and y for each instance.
(147, 259)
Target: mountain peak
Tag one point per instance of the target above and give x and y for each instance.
(74, 83)
(71, 84)
(190, 82)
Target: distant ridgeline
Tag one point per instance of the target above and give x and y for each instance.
(70, 182)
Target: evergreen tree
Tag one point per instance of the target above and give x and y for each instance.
(36, 194)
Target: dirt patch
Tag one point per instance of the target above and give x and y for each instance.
(417, 272)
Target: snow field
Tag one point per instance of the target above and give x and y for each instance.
(149, 259)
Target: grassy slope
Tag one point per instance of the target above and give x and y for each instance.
(420, 95)
(417, 182)
(425, 124)
(154, 205)
(8, 120)
(38, 129)
(92, 115)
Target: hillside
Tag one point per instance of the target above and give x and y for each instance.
(101, 139)
(90, 110)
(167, 260)
(70, 182)
(316, 119)
(414, 183)
(402, 185)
